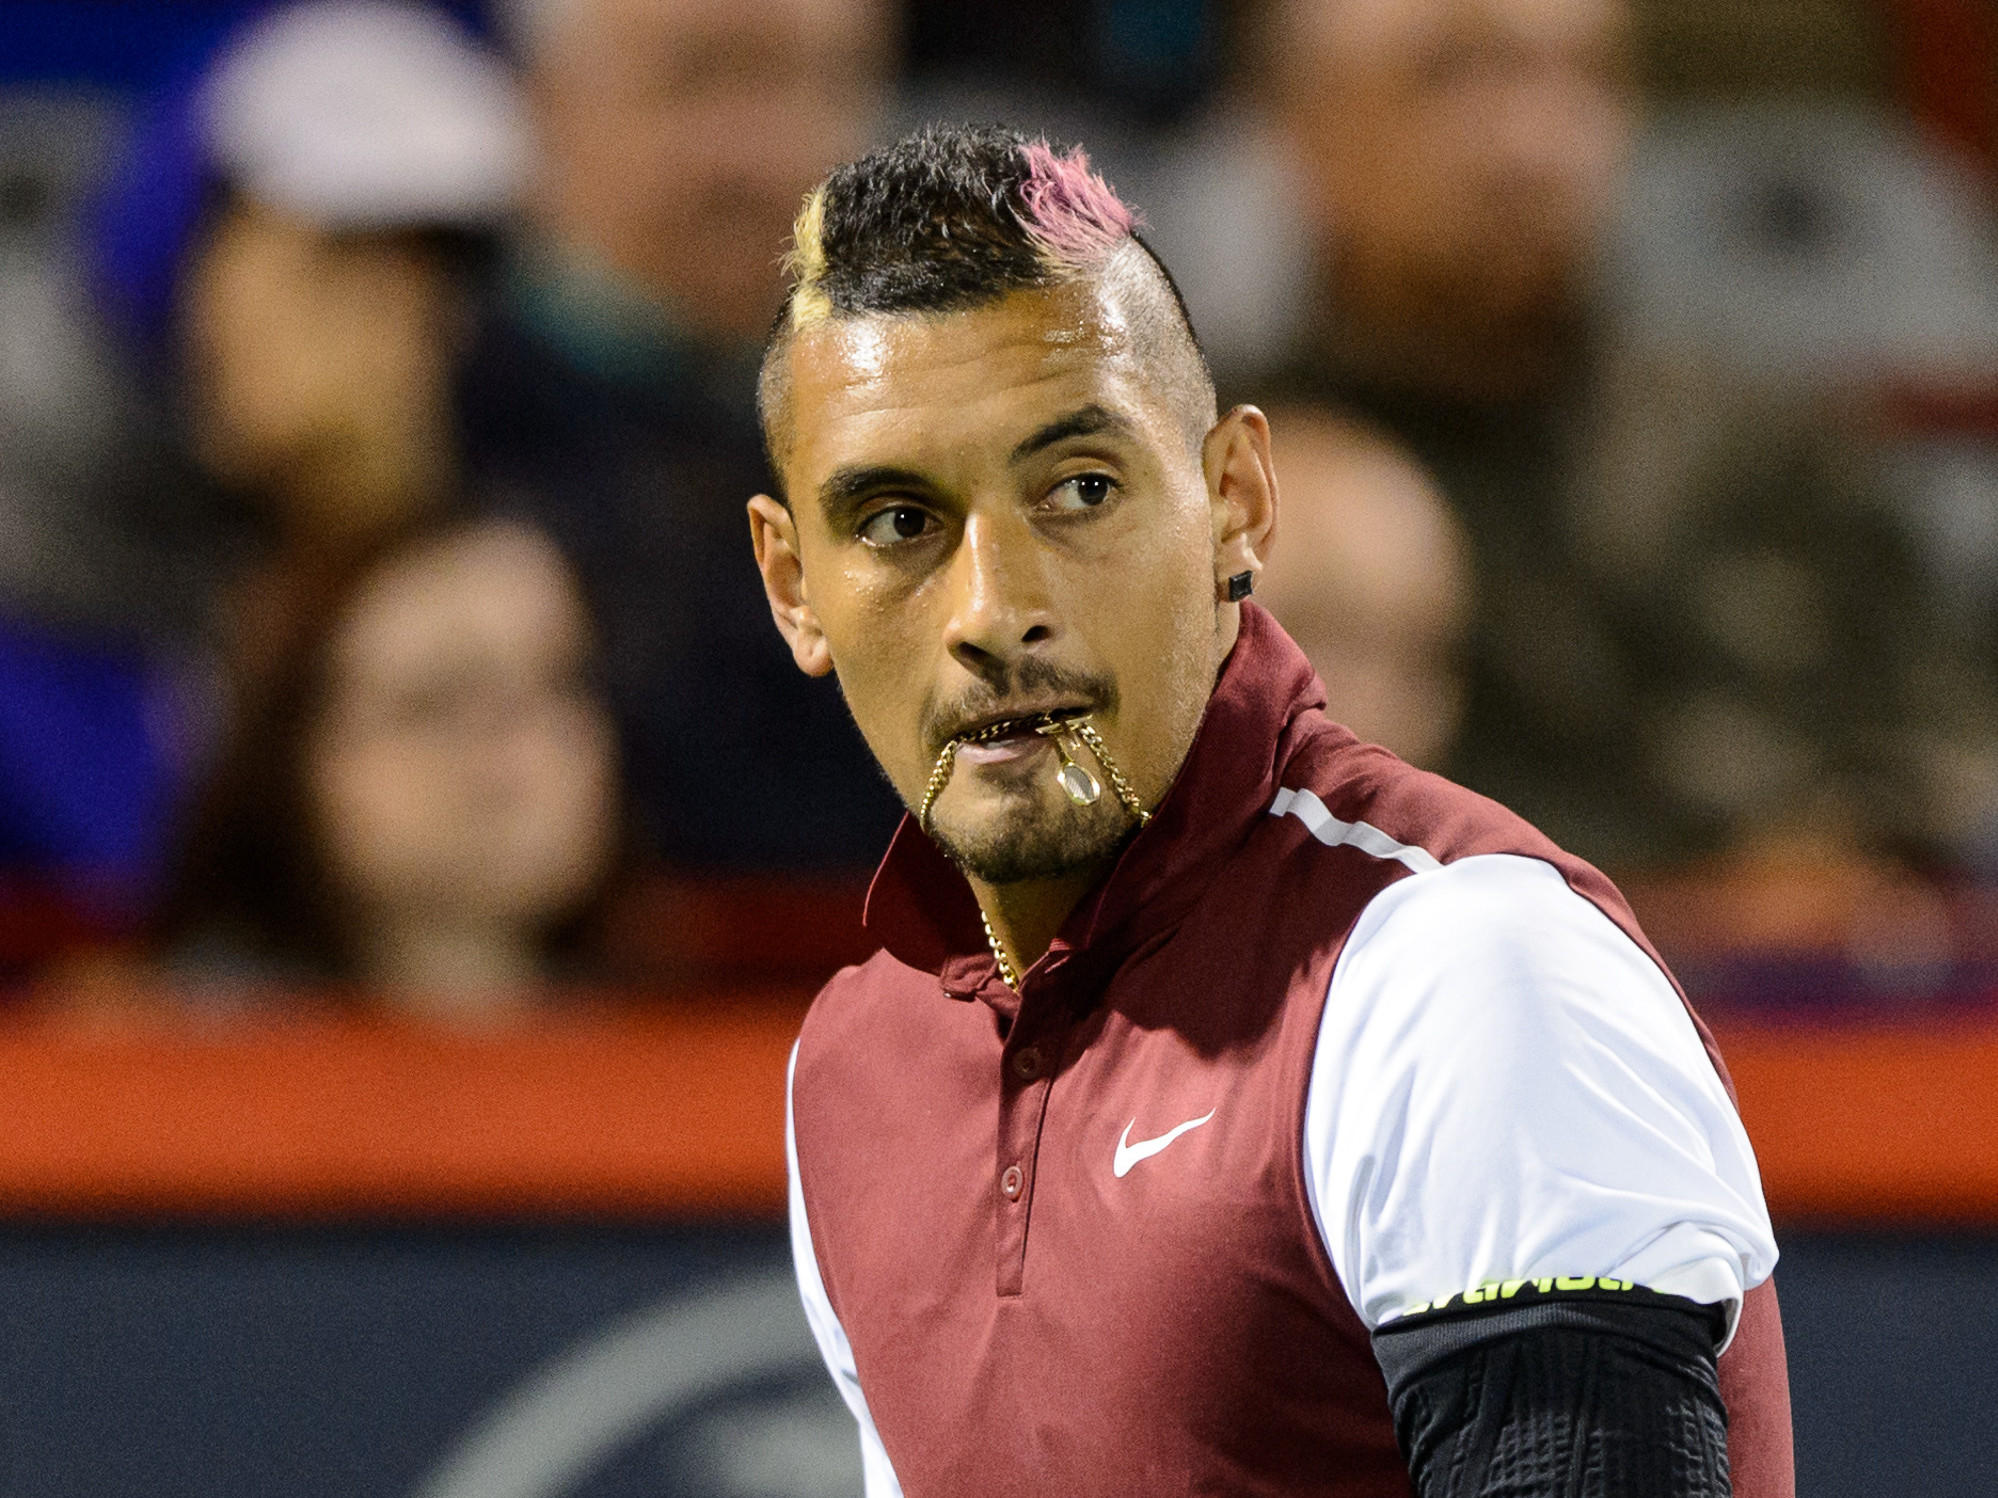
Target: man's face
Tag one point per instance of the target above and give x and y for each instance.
(683, 133)
(994, 519)
(1462, 151)
(462, 771)
(318, 367)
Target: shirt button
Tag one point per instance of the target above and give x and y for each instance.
(1027, 1063)
(1011, 1181)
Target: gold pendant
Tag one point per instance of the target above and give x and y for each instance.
(1081, 787)
(1068, 734)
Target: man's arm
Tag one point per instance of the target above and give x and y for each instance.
(1534, 1189)
(1597, 1395)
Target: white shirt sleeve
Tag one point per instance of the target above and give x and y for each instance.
(881, 1481)
(1506, 1087)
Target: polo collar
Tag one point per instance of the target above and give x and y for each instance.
(922, 910)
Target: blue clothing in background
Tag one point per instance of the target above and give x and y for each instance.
(88, 761)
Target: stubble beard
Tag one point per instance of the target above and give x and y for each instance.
(1027, 828)
(1025, 839)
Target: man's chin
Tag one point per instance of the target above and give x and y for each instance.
(1019, 842)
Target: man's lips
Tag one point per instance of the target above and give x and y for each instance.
(992, 727)
(997, 738)
(1018, 743)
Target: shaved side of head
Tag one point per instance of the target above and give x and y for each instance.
(947, 220)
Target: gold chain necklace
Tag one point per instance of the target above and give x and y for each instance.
(1077, 783)
(1007, 973)
(1085, 730)
(1081, 787)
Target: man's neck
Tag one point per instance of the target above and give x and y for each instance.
(1024, 917)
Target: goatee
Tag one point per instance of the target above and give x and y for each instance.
(1028, 840)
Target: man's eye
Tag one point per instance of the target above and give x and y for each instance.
(897, 523)
(1085, 491)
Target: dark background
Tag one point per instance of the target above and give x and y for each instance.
(325, 1363)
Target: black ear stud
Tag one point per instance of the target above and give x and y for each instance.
(1240, 586)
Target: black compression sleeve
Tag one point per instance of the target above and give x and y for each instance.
(1580, 1398)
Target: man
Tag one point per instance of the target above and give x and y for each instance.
(1704, 633)
(1230, 1104)
(286, 245)
(1373, 583)
(612, 394)
(1459, 162)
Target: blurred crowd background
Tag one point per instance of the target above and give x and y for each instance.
(379, 637)
(377, 618)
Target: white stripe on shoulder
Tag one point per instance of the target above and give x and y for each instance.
(1334, 833)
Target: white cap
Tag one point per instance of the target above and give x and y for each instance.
(368, 114)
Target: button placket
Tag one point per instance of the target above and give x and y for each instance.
(1027, 1067)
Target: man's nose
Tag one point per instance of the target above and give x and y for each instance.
(1000, 606)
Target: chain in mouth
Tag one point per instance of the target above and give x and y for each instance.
(1071, 732)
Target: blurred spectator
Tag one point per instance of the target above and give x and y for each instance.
(1701, 623)
(1461, 160)
(611, 396)
(1372, 578)
(419, 793)
(61, 405)
(287, 240)
(1792, 677)
(1834, 253)
(281, 250)
(1459, 164)
(678, 137)
(90, 736)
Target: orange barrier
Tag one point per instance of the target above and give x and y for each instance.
(680, 1112)
(1864, 1123)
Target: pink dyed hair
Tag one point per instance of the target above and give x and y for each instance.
(1072, 214)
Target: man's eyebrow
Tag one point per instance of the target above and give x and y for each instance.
(845, 488)
(1087, 421)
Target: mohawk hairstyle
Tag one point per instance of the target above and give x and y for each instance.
(956, 217)
(949, 218)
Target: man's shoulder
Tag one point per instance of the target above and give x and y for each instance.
(1507, 893)
(859, 991)
(1336, 791)
(1329, 780)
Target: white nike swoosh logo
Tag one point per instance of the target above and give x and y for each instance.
(1129, 1154)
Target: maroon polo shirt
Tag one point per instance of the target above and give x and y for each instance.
(1026, 1320)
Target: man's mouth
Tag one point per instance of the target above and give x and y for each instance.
(995, 738)
(1063, 728)
(1013, 740)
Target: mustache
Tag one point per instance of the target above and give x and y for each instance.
(1030, 681)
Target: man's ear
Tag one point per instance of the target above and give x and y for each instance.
(1242, 494)
(774, 533)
